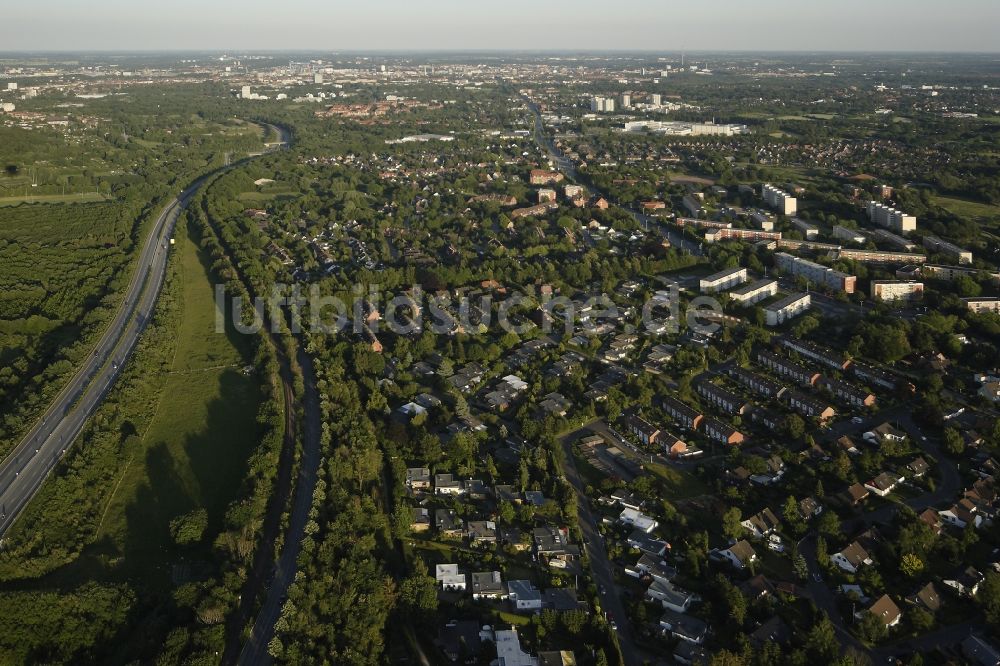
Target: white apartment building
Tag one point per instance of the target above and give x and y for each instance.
(789, 307)
(814, 272)
(779, 200)
(891, 218)
(895, 290)
(754, 292)
(935, 244)
(809, 231)
(848, 235)
(723, 280)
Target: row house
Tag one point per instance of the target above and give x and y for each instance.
(786, 368)
(759, 384)
(816, 352)
(721, 398)
(720, 431)
(852, 395)
(686, 416)
(808, 406)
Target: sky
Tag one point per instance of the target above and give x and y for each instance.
(462, 25)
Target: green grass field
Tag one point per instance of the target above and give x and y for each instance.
(194, 451)
(974, 210)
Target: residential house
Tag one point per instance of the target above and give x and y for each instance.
(786, 368)
(884, 432)
(418, 478)
(762, 524)
(524, 595)
(741, 554)
(917, 468)
(481, 532)
(450, 578)
(460, 639)
(851, 558)
(816, 352)
(690, 654)
(757, 588)
(808, 406)
(927, 598)
(855, 494)
(931, 518)
(681, 413)
(684, 627)
(638, 520)
(509, 652)
(978, 651)
(883, 484)
(886, 610)
(722, 432)
(651, 567)
(809, 508)
(447, 523)
(966, 582)
(488, 585)
(447, 484)
(647, 544)
(722, 398)
(644, 431)
(420, 520)
(846, 392)
(962, 513)
(847, 445)
(670, 596)
(552, 546)
(773, 630)
(759, 384)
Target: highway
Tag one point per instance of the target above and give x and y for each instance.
(29, 464)
(26, 468)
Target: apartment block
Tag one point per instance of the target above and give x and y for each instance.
(814, 272)
(894, 290)
(980, 305)
(722, 280)
(943, 272)
(881, 257)
(778, 199)
(935, 244)
(848, 235)
(787, 308)
(809, 231)
(890, 218)
(741, 234)
(889, 238)
(754, 292)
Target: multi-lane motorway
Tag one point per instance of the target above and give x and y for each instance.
(24, 470)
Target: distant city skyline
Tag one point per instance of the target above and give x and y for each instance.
(417, 25)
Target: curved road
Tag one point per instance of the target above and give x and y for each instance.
(24, 470)
(29, 464)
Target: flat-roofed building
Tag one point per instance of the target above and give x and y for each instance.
(881, 257)
(787, 308)
(894, 290)
(809, 231)
(943, 272)
(723, 280)
(754, 292)
(979, 305)
(898, 242)
(716, 235)
(848, 235)
(890, 218)
(935, 244)
(779, 200)
(814, 272)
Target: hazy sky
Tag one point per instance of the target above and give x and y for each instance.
(658, 25)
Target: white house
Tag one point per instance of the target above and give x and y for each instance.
(851, 558)
(741, 554)
(638, 520)
(524, 595)
(670, 596)
(450, 578)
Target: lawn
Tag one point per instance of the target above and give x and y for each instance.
(678, 484)
(974, 210)
(194, 452)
